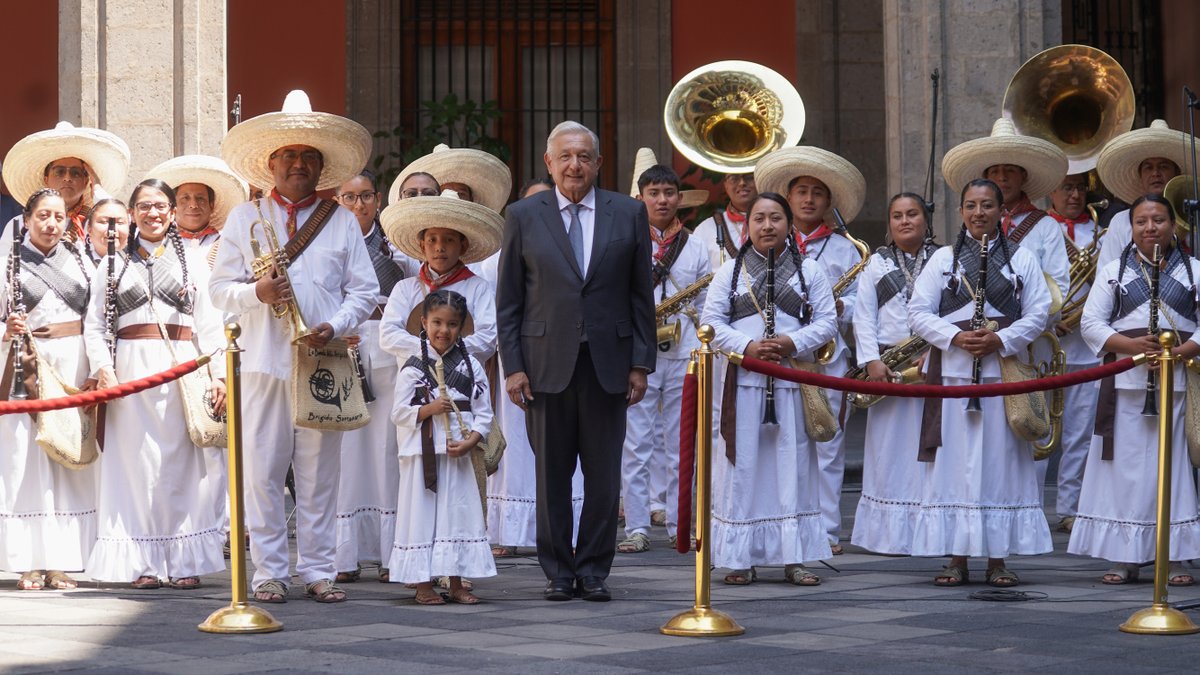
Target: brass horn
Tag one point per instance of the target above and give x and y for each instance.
(1074, 96)
(1178, 191)
(726, 115)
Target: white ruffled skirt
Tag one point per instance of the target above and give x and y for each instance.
(891, 493)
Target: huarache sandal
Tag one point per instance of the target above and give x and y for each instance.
(836, 549)
(1066, 524)
(637, 543)
(273, 592)
(146, 583)
(462, 596)
(384, 575)
(658, 518)
(324, 591)
(33, 580)
(1121, 573)
(348, 577)
(800, 575)
(741, 577)
(1178, 576)
(504, 551)
(952, 575)
(183, 583)
(59, 581)
(1002, 577)
(428, 596)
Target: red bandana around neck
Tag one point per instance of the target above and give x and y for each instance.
(818, 234)
(738, 219)
(433, 281)
(1081, 219)
(663, 240)
(1022, 206)
(293, 208)
(198, 234)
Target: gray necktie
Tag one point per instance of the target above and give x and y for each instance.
(575, 235)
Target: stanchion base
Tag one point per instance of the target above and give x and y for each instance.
(240, 618)
(1159, 620)
(702, 622)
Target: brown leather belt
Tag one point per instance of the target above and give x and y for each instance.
(150, 331)
(377, 314)
(59, 330)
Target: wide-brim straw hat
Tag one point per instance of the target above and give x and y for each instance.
(404, 220)
(1118, 163)
(1044, 164)
(206, 170)
(847, 187)
(489, 178)
(413, 324)
(104, 152)
(345, 145)
(645, 159)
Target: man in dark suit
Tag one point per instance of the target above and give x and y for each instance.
(575, 317)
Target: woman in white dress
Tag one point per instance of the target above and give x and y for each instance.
(766, 508)
(1118, 501)
(160, 514)
(47, 510)
(980, 496)
(891, 491)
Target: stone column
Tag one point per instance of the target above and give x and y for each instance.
(977, 46)
(643, 68)
(150, 71)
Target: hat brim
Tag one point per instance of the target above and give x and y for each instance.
(489, 178)
(847, 187)
(403, 222)
(103, 151)
(1044, 164)
(690, 199)
(345, 145)
(1118, 163)
(205, 170)
(413, 325)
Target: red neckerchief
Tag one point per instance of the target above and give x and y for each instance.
(1023, 206)
(663, 240)
(199, 234)
(293, 208)
(78, 218)
(450, 278)
(818, 234)
(737, 219)
(1082, 219)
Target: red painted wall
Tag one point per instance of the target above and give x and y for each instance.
(312, 56)
(29, 33)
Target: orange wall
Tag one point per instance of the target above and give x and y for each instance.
(29, 103)
(313, 58)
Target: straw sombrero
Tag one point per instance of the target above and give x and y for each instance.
(644, 160)
(1118, 163)
(104, 152)
(488, 177)
(404, 220)
(1044, 163)
(344, 143)
(847, 187)
(206, 170)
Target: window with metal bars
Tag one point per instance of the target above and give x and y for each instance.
(1130, 32)
(542, 61)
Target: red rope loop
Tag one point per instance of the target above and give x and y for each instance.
(938, 391)
(687, 463)
(89, 398)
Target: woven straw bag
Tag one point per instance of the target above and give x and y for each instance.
(1027, 414)
(67, 436)
(819, 421)
(1192, 415)
(326, 393)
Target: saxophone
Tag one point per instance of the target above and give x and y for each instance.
(668, 333)
(826, 351)
(275, 262)
(901, 359)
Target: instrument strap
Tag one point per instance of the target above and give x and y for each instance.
(1000, 292)
(49, 275)
(662, 266)
(1019, 232)
(1171, 292)
(387, 272)
(786, 298)
(722, 231)
(297, 244)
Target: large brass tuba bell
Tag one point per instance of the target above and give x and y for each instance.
(1074, 96)
(1179, 191)
(726, 115)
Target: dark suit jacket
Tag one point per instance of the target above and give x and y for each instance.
(542, 298)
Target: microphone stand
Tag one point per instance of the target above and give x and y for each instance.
(929, 205)
(1191, 207)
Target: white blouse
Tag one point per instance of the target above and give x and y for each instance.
(410, 381)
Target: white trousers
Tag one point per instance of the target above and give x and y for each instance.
(831, 460)
(652, 446)
(273, 442)
(1079, 420)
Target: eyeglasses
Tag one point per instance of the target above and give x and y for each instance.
(147, 207)
(1068, 189)
(414, 192)
(76, 172)
(367, 198)
(290, 156)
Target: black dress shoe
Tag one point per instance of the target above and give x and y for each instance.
(594, 589)
(559, 589)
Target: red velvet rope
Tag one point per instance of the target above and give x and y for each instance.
(687, 464)
(88, 398)
(934, 390)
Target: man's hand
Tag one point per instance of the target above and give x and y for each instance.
(106, 378)
(765, 350)
(216, 394)
(1061, 328)
(840, 307)
(272, 289)
(637, 386)
(978, 343)
(320, 336)
(519, 392)
(878, 372)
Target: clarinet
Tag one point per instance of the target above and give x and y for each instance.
(1150, 406)
(368, 393)
(769, 311)
(110, 291)
(978, 320)
(17, 306)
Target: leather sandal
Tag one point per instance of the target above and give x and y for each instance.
(1002, 577)
(429, 597)
(33, 580)
(348, 577)
(952, 575)
(183, 583)
(1121, 573)
(273, 592)
(146, 583)
(1177, 575)
(741, 577)
(462, 596)
(503, 551)
(635, 543)
(658, 518)
(60, 581)
(384, 575)
(800, 575)
(324, 591)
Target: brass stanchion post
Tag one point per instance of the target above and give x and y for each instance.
(1160, 618)
(239, 616)
(702, 620)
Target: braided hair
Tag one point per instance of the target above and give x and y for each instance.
(790, 246)
(1125, 254)
(187, 293)
(37, 197)
(458, 304)
(962, 233)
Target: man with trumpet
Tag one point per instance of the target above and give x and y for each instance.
(323, 273)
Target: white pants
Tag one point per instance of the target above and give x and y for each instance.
(652, 445)
(831, 460)
(1079, 420)
(272, 442)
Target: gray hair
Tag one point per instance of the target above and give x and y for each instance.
(572, 127)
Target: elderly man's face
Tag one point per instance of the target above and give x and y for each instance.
(194, 208)
(296, 169)
(574, 162)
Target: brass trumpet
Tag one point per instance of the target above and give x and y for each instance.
(275, 263)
